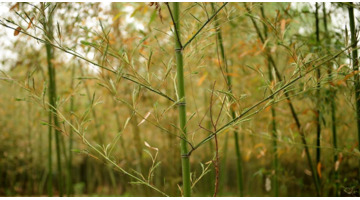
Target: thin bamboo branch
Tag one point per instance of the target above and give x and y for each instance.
(175, 26)
(203, 26)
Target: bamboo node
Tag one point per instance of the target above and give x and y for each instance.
(181, 103)
(185, 155)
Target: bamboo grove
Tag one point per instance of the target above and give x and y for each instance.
(180, 99)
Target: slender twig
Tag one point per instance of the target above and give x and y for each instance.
(175, 26)
(203, 26)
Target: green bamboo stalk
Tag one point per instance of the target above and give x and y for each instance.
(52, 95)
(30, 157)
(72, 104)
(185, 159)
(318, 103)
(291, 106)
(50, 179)
(273, 118)
(355, 64)
(233, 115)
(332, 96)
(63, 149)
(224, 177)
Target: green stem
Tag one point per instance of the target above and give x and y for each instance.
(273, 118)
(52, 98)
(31, 157)
(203, 26)
(332, 96)
(355, 63)
(318, 103)
(233, 115)
(185, 160)
(72, 103)
(50, 179)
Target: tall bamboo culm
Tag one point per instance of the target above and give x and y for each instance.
(52, 95)
(185, 160)
(332, 96)
(355, 64)
(318, 100)
(239, 164)
(50, 178)
(273, 117)
(69, 184)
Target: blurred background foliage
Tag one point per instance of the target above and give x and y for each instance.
(137, 39)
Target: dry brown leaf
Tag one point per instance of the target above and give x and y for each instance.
(307, 172)
(247, 157)
(319, 169)
(341, 66)
(148, 145)
(337, 164)
(303, 154)
(146, 116)
(17, 31)
(202, 79)
(30, 23)
(267, 109)
(282, 26)
(15, 6)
